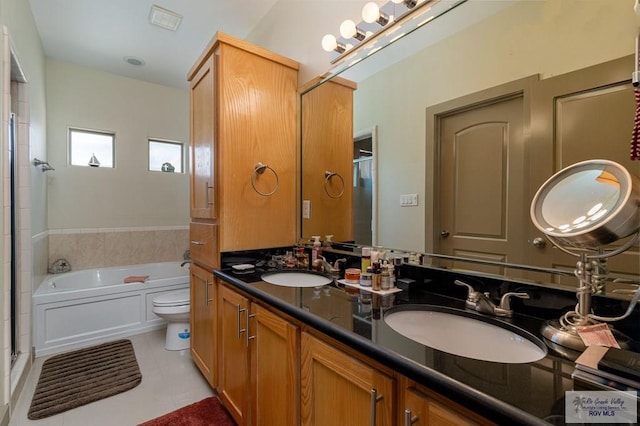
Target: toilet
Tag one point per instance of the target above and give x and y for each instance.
(173, 307)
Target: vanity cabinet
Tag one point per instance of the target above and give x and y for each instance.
(339, 389)
(244, 105)
(259, 362)
(203, 315)
(419, 406)
(243, 171)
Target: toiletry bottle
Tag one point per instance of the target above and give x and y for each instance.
(316, 249)
(385, 278)
(328, 241)
(376, 278)
(303, 259)
(366, 258)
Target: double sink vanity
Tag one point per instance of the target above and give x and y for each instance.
(470, 367)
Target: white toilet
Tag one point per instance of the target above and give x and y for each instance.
(174, 308)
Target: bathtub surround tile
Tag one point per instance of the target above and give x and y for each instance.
(95, 248)
(163, 372)
(90, 247)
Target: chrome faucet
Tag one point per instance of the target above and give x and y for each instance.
(325, 266)
(481, 302)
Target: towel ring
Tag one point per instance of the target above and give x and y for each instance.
(258, 170)
(328, 175)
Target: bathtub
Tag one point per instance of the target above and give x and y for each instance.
(91, 306)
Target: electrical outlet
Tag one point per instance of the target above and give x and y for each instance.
(306, 209)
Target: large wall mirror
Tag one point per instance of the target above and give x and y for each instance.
(494, 99)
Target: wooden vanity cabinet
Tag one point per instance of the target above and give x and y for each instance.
(419, 406)
(258, 362)
(243, 114)
(203, 315)
(338, 389)
(244, 144)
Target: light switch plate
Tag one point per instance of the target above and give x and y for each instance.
(408, 200)
(306, 209)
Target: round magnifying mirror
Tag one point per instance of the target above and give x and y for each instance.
(588, 204)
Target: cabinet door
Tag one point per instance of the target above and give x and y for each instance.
(258, 107)
(203, 322)
(275, 360)
(233, 353)
(337, 389)
(418, 409)
(202, 105)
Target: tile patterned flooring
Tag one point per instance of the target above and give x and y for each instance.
(170, 380)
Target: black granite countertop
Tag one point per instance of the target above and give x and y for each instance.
(527, 393)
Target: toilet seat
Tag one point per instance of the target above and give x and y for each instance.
(174, 298)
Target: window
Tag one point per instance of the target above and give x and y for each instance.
(166, 156)
(91, 148)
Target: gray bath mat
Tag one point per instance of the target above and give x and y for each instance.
(77, 378)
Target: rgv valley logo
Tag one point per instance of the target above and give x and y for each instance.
(600, 407)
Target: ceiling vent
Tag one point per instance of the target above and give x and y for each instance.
(164, 18)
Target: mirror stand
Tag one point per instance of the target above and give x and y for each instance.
(564, 331)
(588, 205)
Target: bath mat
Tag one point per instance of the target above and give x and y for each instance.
(86, 375)
(208, 412)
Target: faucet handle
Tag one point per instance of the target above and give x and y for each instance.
(336, 264)
(472, 295)
(505, 301)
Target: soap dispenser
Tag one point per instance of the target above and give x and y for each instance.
(316, 249)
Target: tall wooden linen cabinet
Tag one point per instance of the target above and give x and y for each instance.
(243, 171)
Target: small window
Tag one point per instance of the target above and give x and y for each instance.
(91, 148)
(166, 156)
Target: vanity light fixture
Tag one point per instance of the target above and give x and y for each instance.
(379, 19)
(348, 29)
(371, 13)
(330, 43)
(409, 3)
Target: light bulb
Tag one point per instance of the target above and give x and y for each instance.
(348, 29)
(370, 12)
(636, 7)
(329, 42)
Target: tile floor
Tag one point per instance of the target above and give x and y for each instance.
(170, 380)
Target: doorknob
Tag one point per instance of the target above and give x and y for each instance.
(539, 242)
(444, 234)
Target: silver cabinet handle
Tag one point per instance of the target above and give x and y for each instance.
(444, 234)
(207, 283)
(197, 243)
(374, 401)
(240, 330)
(206, 194)
(247, 337)
(408, 418)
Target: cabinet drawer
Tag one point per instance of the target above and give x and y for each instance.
(203, 240)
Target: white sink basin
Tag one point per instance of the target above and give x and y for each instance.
(296, 279)
(457, 332)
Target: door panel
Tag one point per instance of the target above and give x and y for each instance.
(481, 163)
(583, 115)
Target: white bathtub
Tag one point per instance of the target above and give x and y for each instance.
(90, 306)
